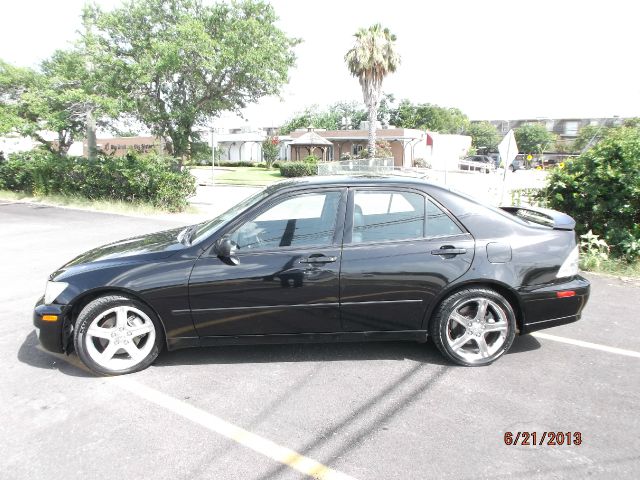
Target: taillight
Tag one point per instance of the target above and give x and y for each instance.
(569, 267)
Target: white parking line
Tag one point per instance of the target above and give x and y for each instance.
(266, 447)
(593, 346)
(261, 445)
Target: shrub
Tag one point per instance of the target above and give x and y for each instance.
(593, 251)
(148, 178)
(298, 169)
(421, 163)
(264, 165)
(601, 190)
(311, 159)
(243, 163)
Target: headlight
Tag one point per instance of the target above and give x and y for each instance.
(569, 267)
(53, 290)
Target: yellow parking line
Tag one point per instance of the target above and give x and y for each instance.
(261, 445)
(593, 346)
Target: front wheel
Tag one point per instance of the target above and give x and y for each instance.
(116, 334)
(473, 327)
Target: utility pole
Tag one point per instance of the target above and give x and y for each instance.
(89, 119)
(213, 156)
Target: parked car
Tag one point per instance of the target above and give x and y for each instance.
(517, 164)
(482, 163)
(322, 260)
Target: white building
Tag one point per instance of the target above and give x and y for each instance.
(245, 144)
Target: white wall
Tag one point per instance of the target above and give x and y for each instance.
(16, 144)
(446, 150)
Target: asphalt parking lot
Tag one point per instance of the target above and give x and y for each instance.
(364, 411)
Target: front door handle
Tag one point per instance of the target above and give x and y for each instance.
(318, 259)
(449, 250)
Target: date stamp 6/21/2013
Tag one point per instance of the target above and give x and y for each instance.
(538, 439)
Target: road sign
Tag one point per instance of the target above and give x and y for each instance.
(508, 149)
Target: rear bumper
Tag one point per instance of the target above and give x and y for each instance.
(543, 308)
(52, 333)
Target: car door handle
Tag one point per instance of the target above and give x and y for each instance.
(318, 259)
(449, 251)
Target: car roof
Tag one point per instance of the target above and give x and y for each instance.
(349, 180)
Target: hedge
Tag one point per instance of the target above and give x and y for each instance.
(133, 178)
(298, 169)
(600, 189)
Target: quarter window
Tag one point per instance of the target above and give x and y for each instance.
(438, 223)
(308, 219)
(385, 215)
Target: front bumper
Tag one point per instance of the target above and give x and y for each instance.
(52, 326)
(543, 308)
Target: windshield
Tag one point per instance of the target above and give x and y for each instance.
(207, 228)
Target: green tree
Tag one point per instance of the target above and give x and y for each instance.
(588, 136)
(601, 190)
(484, 135)
(181, 62)
(270, 150)
(385, 109)
(371, 59)
(312, 116)
(352, 112)
(328, 119)
(56, 98)
(425, 116)
(533, 138)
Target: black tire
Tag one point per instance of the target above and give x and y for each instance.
(512, 168)
(443, 329)
(95, 309)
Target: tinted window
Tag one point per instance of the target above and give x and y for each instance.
(308, 219)
(439, 223)
(382, 216)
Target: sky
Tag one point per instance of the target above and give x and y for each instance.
(493, 59)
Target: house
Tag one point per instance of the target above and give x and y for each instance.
(408, 146)
(566, 129)
(245, 144)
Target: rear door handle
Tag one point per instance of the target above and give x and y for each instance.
(318, 259)
(449, 251)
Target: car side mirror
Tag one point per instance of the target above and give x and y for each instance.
(226, 249)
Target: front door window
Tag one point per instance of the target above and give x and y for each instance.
(301, 221)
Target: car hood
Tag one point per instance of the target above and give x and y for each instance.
(145, 247)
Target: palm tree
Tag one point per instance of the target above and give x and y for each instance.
(372, 58)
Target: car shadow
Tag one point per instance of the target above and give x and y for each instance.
(303, 352)
(32, 354)
(524, 343)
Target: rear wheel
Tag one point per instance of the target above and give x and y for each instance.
(473, 327)
(116, 335)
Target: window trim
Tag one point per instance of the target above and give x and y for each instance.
(348, 222)
(336, 241)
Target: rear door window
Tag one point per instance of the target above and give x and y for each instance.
(380, 216)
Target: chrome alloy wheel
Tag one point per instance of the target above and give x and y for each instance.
(120, 337)
(477, 329)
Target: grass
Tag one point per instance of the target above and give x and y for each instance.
(247, 176)
(610, 266)
(113, 206)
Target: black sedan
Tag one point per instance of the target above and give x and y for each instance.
(322, 260)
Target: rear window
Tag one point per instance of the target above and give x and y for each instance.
(533, 217)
